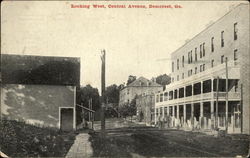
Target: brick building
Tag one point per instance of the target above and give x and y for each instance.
(138, 87)
(210, 78)
(40, 90)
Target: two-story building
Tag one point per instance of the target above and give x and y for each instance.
(210, 78)
(138, 87)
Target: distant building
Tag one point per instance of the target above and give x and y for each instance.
(196, 97)
(40, 90)
(138, 87)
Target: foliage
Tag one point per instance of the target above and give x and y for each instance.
(21, 140)
(112, 94)
(131, 78)
(83, 95)
(163, 79)
(128, 109)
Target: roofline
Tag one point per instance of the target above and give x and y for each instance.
(139, 86)
(208, 27)
(40, 56)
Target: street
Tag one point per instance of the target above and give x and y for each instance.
(127, 139)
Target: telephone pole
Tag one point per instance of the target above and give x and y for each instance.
(103, 93)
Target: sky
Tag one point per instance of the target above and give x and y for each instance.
(137, 41)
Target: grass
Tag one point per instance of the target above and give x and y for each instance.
(21, 140)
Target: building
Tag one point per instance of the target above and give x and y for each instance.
(40, 90)
(198, 97)
(138, 87)
(145, 108)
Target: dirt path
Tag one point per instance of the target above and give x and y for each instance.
(141, 141)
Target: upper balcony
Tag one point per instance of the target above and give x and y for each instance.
(232, 96)
(203, 87)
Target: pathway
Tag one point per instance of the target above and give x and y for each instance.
(81, 147)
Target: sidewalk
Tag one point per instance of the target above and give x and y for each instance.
(81, 147)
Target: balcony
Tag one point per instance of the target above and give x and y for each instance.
(232, 96)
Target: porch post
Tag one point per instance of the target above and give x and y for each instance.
(178, 112)
(184, 113)
(192, 114)
(163, 113)
(212, 103)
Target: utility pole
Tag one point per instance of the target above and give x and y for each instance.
(103, 93)
(226, 96)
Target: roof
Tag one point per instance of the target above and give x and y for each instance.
(212, 24)
(142, 81)
(26, 69)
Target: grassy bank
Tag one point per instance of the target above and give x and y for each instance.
(21, 140)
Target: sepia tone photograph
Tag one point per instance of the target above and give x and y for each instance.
(125, 79)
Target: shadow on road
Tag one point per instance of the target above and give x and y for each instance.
(151, 142)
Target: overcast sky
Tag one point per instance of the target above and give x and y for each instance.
(135, 40)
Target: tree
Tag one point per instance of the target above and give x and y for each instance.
(112, 94)
(83, 95)
(132, 108)
(131, 78)
(163, 79)
(128, 109)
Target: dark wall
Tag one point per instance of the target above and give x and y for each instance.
(20, 69)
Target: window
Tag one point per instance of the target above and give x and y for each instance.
(222, 59)
(172, 66)
(177, 64)
(222, 38)
(212, 63)
(177, 77)
(183, 61)
(212, 44)
(182, 75)
(161, 97)
(236, 86)
(172, 79)
(201, 51)
(235, 31)
(191, 57)
(195, 51)
(188, 57)
(235, 55)
(195, 70)
(203, 46)
(203, 67)
(191, 72)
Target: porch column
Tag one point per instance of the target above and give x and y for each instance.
(184, 113)
(201, 88)
(155, 115)
(168, 110)
(178, 112)
(192, 114)
(212, 113)
(201, 109)
(173, 111)
(163, 113)
(212, 103)
(184, 107)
